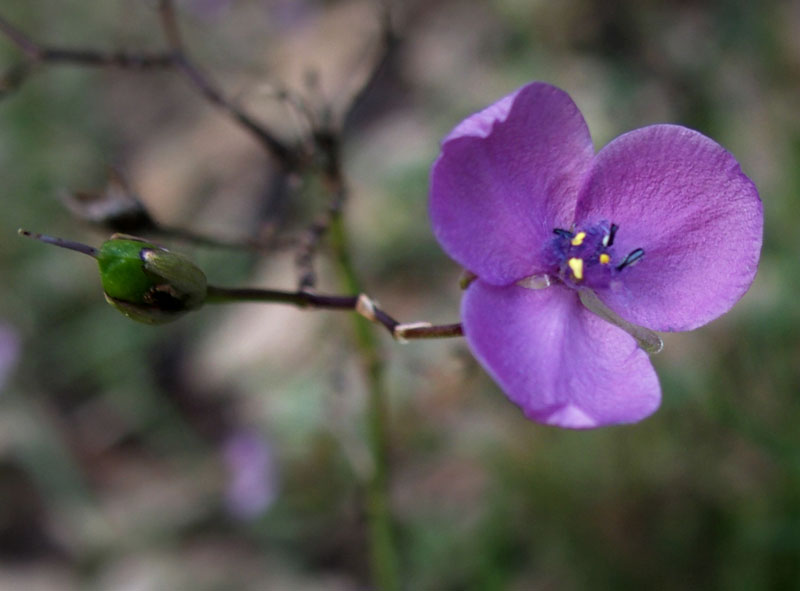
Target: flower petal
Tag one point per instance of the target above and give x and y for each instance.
(560, 363)
(505, 178)
(684, 199)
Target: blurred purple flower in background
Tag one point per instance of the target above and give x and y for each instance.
(9, 352)
(252, 474)
(660, 229)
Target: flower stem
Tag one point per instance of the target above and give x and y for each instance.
(383, 551)
(361, 304)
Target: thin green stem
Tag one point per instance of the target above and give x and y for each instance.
(383, 551)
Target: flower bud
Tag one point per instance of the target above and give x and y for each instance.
(144, 281)
(148, 283)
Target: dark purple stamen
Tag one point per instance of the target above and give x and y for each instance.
(563, 233)
(633, 256)
(609, 240)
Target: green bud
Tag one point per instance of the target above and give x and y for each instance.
(148, 283)
(142, 280)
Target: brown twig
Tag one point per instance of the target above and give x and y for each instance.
(309, 244)
(175, 58)
(32, 49)
(118, 59)
(328, 145)
(326, 134)
(118, 208)
(361, 304)
(387, 44)
(83, 57)
(287, 156)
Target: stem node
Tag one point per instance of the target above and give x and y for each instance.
(366, 307)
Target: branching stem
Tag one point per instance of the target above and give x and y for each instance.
(212, 93)
(83, 57)
(325, 140)
(360, 304)
(176, 58)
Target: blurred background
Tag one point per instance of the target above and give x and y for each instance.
(224, 451)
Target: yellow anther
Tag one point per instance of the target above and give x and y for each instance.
(578, 239)
(604, 259)
(576, 265)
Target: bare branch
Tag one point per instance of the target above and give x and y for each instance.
(83, 57)
(175, 58)
(361, 304)
(387, 44)
(116, 59)
(18, 38)
(327, 137)
(309, 244)
(118, 208)
(169, 23)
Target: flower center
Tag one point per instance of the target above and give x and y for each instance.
(585, 257)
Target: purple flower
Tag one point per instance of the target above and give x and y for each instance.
(660, 230)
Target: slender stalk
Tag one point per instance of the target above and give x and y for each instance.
(301, 299)
(61, 242)
(355, 303)
(383, 551)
